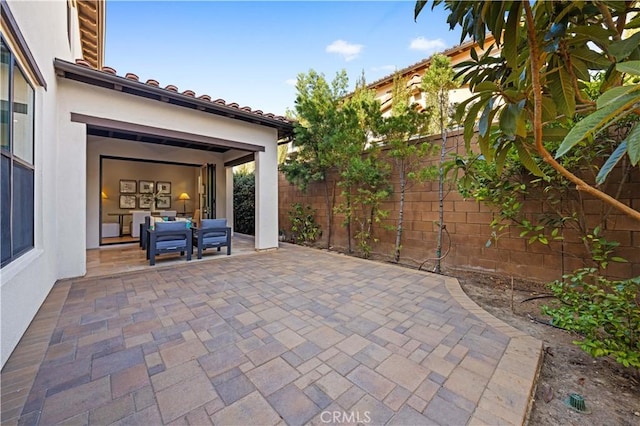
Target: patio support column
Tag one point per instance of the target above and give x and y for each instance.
(229, 197)
(266, 198)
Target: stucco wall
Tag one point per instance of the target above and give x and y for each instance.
(67, 166)
(26, 281)
(74, 153)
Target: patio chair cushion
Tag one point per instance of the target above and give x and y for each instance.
(170, 226)
(213, 223)
(217, 239)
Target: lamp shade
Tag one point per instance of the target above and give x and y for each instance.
(184, 196)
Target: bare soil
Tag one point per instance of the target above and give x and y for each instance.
(610, 391)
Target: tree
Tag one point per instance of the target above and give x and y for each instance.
(401, 132)
(437, 81)
(316, 112)
(355, 118)
(548, 54)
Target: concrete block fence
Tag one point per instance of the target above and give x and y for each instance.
(467, 222)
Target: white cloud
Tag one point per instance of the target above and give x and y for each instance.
(348, 50)
(426, 45)
(291, 81)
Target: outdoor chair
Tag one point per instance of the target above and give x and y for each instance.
(169, 237)
(144, 232)
(212, 233)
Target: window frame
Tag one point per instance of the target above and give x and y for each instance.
(15, 161)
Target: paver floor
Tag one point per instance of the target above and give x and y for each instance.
(294, 336)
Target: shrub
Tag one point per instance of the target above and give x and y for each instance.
(605, 313)
(304, 229)
(244, 203)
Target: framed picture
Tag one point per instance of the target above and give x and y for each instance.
(145, 202)
(163, 187)
(128, 186)
(164, 202)
(128, 201)
(146, 187)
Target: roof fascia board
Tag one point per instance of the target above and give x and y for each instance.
(105, 123)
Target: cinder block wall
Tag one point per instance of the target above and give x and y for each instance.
(467, 223)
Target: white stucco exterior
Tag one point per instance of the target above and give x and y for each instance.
(67, 164)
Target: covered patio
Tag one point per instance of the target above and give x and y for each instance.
(289, 336)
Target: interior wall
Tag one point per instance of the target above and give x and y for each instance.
(182, 179)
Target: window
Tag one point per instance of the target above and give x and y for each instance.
(16, 158)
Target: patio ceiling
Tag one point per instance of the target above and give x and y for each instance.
(115, 129)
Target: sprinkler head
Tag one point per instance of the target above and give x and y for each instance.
(576, 403)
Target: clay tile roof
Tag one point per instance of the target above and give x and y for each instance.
(92, 76)
(83, 63)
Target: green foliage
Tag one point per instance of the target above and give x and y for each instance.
(437, 81)
(573, 41)
(401, 133)
(316, 142)
(319, 132)
(244, 203)
(507, 190)
(356, 160)
(605, 313)
(366, 185)
(304, 229)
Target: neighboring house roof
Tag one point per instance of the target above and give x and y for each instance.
(456, 53)
(107, 78)
(91, 17)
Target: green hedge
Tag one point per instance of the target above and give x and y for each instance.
(244, 203)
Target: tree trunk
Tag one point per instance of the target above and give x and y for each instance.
(403, 183)
(349, 248)
(443, 148)
(328, 211)
(537, 125)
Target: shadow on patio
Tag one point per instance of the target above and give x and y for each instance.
(295, 335)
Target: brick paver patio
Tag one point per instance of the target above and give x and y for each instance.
(293, 336)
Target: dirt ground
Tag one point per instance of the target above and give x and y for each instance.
(611, 392)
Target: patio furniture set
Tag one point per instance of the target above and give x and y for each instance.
(177, 235)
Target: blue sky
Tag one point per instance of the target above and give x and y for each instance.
(252, 52)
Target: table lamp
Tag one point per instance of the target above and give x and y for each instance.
(184, 197)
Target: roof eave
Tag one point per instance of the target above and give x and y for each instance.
(92, 22)
(114, 82)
